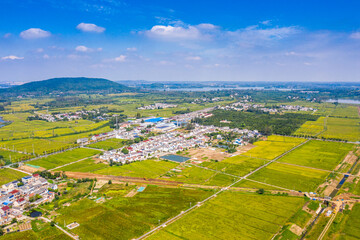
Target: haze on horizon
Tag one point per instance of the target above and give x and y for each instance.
(180, 40)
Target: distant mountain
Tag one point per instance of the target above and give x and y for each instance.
(66, 85)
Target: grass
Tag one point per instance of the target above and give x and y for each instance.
(313, 205)
(8, 175)
(344, 110)
(196, 175)
(300, 218)
(146, 168)
(87, 165)
(318, 154)
(128, 217)
(342, 128)
(64, 158)
(109, 144)
(273, 147)
(237, 165)
(234, 215)
(291, 177)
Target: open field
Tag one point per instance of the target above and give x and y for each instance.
(64, 158)
(13, 156)
(291, 177)
(147, 168)
(273, 147)
(8, 175)
(238, 165)
(87, 165)
(197, 175)
(311, 128)
(109, 144)
(111, 219)
(250, 184)
(318, 154)
(233, 215)
(342, 128)
(345, 110)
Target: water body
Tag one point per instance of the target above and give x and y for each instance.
(1, 121)
(346, 101)
(207, 89)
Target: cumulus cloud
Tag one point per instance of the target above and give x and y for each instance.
(173, 32)
(12, 57)
(82, 48)
(90, 27)
(132, 49)
(121, 58)
(34, 33)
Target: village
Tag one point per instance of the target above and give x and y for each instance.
(17, 197)
(240, 106)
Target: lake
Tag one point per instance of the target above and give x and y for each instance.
(346, 101)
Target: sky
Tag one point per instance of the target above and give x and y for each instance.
(168, 40)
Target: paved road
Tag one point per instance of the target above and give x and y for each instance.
(327, 226)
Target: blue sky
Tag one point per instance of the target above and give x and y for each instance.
(167, 40)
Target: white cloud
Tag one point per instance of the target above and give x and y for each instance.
(355, 35)
(173, 32)
(90, 27)
(207, 26)
(12, 57)
(34, 33)
(194, 58)
(132, 49)
(45, 56)
(121, 58)
(266, 22)
(83, 49)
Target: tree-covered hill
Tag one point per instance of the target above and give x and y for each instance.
(66, 85)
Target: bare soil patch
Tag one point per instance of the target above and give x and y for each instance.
(296, 229)
(29, 169)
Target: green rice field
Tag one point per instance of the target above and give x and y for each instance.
(291, 177)
(342, 128)
(311, 128)
(233, 215)
(318, 154)
(59, 159)
(109, 144)
(7, 175)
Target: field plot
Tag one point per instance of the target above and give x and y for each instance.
(13, 156)
(234, 215)
(342, 128)
(87, 165)
(128, 217)
(311, 128)
(197, 175)
(291, 177)
(255, 185)
(8, 175)
(109, 144)
(237, 165)
(344, 110)
(318, 154)
(273, 147)
(64, 158)
(146, 168)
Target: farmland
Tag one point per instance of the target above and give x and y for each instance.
(255, 185)
(342, 128)
(12, 156)
(64, 158)
(234, 215)
(109, 144)
(273, 147)
(147, 168)
(238, 165)
(311, 128)
(111, 219)
(87, 165)
(318, 154)
(8, 175)
(291, 177)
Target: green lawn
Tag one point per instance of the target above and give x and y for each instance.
(128, 217)
(237, 165)
(109, 144)
(146, 168)
(291, 177)
(273, 147)
(64, 158)
(234, 215)
(8, 175)
(318, 154)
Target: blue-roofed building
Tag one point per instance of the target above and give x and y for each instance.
(27, 179)
(154, 120)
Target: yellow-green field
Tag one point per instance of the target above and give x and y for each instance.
(273, 147)
(311, 128)
(342, 128)
(7, 175)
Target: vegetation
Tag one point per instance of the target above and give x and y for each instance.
(342, 128)
(109, 144)
(7, 175)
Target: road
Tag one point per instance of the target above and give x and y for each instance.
(214, 195)
(327, 226)
(60, 228)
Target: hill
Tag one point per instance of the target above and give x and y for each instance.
(66, 85)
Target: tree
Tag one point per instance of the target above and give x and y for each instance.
(125, 151)
(138, 115)
(110, 182)
(52, 223)
(260, 191)
(1, 231)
